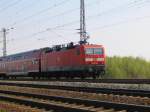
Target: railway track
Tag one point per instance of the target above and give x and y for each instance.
(121, 81)
(65, 104)
(77, 104)
(127, 92)
(12, 107)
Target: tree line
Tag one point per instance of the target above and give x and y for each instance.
(127, 67)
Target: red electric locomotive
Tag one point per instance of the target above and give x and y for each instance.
(80, 60)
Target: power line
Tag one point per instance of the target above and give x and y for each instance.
(50, 29)
(46, 30)
(71, 23)
(26, 7)
(65, 12)
(6, 4)
(123, 6)
(10, 5)
(38, 13)
(102, 13)
(22, 8)
(90, 4)
(76, 21)
(102, 27)
(20, 11)
(121, 22)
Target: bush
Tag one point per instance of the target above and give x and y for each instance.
(127, 67)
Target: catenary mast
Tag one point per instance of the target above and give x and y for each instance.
(4, 42)
(83, 33)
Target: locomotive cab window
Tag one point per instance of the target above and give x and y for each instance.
(94, 51)
(98, 51)
(89, 51)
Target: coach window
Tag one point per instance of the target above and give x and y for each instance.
(4, 66)
(35, 61)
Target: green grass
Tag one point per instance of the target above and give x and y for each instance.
(127, 67)
(1, 110)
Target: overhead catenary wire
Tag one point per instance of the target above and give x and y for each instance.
(99, 14)
(104, 12)
(60, 14)
(76, 21)
(26, 7)
(9, 6)
(25, 19)
(93, 16)
(94, 29)
(5, 4)
(39, 12)
(120, 23)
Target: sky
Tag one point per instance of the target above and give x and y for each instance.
(121, 26)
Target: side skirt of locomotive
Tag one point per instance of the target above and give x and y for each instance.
(71, 72)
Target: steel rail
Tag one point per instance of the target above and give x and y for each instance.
(128, 92)
(42, 105)
(95, 103)
(121, 81)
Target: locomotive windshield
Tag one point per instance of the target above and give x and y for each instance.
(94, 51)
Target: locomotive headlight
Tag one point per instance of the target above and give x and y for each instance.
(100, 59)
(88, 59)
